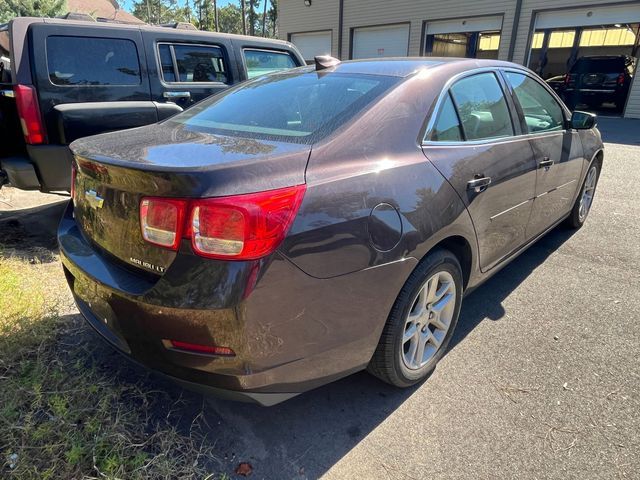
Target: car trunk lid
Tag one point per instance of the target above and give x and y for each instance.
(116, 171)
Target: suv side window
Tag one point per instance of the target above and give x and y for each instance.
(447, 127)
(482, 107)
(261, 62)
(192, 64)
(100, 61)
(542, 113)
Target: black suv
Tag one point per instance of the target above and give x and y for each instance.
(64, 79)
(594, 80)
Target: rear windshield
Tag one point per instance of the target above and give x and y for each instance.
(599, 65)
(5, 62)
(299, 107)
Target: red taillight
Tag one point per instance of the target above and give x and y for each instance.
(162, 221)
(243, 227)
(29, 113)
(239, 227)
(621, 79)
(198, 348)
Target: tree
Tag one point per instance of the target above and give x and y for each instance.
(230, 19)
(244, 17)
(273, 18)
(215, 15)
(252, 17)
(161, 11)
(264, 18)
(31, 8)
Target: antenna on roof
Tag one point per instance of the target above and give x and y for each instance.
(325, 61)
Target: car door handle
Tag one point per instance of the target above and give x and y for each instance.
(545, 163)
(479, 183)
(174, 95)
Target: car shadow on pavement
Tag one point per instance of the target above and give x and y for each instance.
(313, 431)
(30, 233)
(623, 131)
(486, 301)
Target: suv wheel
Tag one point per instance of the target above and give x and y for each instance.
(421, 323)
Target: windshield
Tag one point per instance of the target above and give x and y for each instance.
(292, 107)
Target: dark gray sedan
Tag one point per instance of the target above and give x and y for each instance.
(309, 224)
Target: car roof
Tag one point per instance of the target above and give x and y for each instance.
(146, 27)
(406, 66)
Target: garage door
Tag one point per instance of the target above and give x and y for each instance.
(462, 25)
(385, 41)
(312, 44)
(612, 15)
(586, 17)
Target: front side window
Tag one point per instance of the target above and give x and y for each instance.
(291, 106)
(261, 62)
(193, 64)
(541, 111)
(100, 61)
(482, 107)
(447, 127)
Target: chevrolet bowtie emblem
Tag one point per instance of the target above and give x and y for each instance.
(93, 199)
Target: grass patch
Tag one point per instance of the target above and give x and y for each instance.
(72, 408)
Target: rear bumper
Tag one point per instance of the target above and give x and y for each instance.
(45, 167)
(291, 332)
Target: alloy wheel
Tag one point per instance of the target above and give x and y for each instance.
(587, 193)
(429, 319)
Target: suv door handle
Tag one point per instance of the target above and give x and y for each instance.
(479, 183)
(174, 95)
(545, 163)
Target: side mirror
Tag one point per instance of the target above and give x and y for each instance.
(583, 120)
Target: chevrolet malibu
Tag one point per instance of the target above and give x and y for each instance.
(313, 223)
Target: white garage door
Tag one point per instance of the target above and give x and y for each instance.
(312, 43)
(385, 41)
(589, 16)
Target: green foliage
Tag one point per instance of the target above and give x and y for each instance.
(201, 14)
(230, 19)
(31, 8)
(69, 407)
(161, 11)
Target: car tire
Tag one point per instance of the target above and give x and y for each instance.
(583, 203)
(430, 311)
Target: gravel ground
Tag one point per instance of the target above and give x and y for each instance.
(542, 379)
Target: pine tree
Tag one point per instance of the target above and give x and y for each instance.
(272, 16)
(31, 8)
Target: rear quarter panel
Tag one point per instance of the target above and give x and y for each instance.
(376, 160)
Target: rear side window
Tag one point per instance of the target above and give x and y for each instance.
(482, 107)
(541, 111)
(100, 61)
(261, 62)
(192, 64)
(447, 127)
